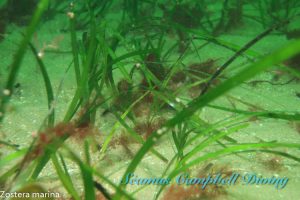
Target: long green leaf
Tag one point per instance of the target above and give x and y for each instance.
(241, 148)
(65, 179)
(48, 85)
(13, 156)
(17, 60)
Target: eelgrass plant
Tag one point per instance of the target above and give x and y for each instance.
(154, 80)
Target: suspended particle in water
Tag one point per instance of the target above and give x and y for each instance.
(6, 92)
(34, 134)
(154, 139)
(40, 54)
(71, 5)
(71, 15)
(161, 130)
(138, 65)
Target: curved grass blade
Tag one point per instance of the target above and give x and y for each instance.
(17, 60)
(91, 170)
(75, 49)
(48, 85)
(241, 148)
(87, 177)
(13, 156)
(210, 140)
(265, 114)
(235, 149)
(117, 124)
(65, 178)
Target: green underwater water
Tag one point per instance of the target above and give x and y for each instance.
(93, 92)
